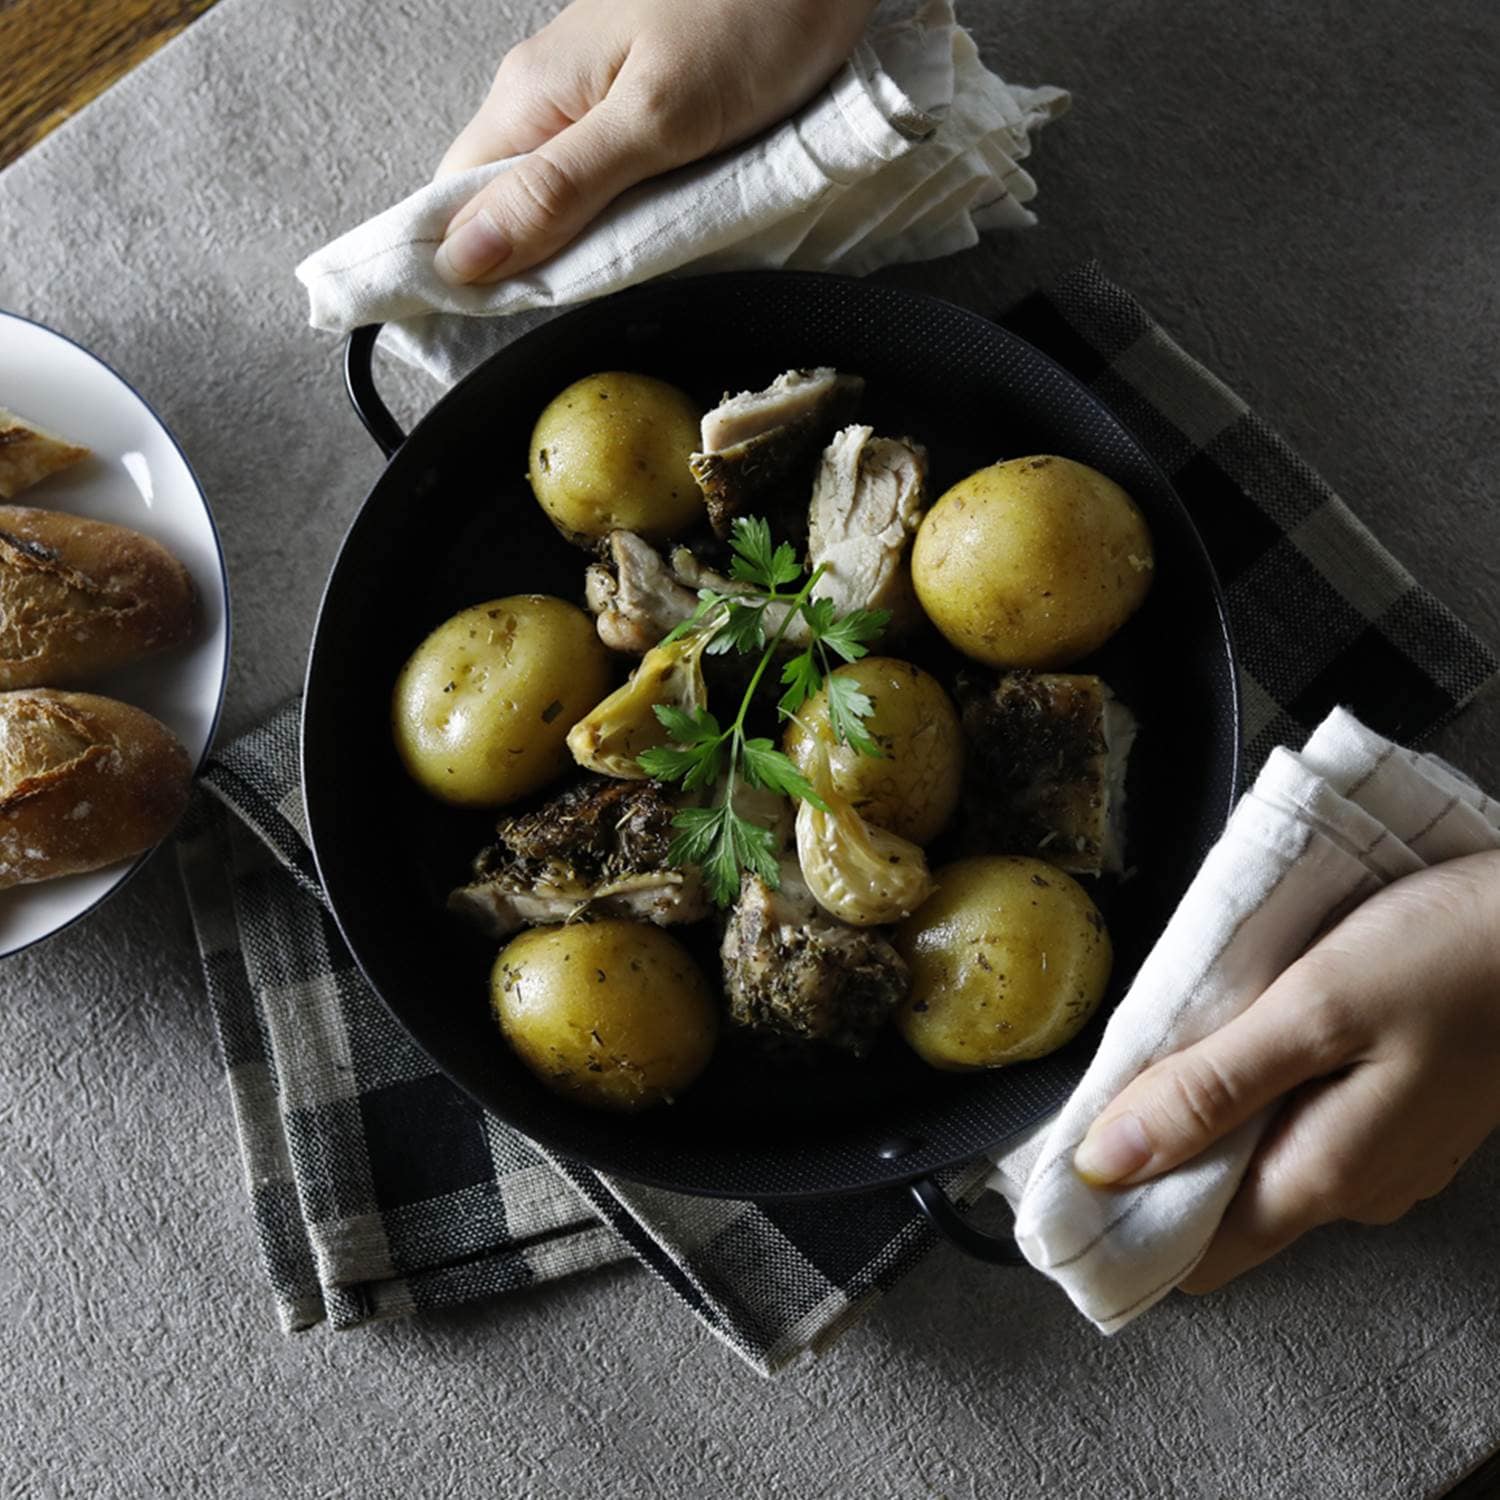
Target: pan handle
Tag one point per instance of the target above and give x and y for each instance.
(359, 381)
(944, 1217)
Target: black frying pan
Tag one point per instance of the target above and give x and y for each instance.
(451, 522)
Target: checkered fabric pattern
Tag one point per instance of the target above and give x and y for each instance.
(1322, 614)
(378, 1188)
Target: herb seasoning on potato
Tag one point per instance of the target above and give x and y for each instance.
(483, 707)
(1009, 958)
(611, 454)
(614, 1014)
(911, 787)
(1032, 563)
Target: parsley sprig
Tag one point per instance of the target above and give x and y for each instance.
(705, 753)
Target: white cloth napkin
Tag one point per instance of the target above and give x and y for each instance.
(910, 151)
(1320, 832)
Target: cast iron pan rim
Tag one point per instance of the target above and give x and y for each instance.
(886, 1169)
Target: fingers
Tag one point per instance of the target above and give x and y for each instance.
(1184, 1103)
(542, 87)
(530, 211)
(1264, 1218)
(1326, 1158)
(502, 129)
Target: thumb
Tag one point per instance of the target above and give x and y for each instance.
(1181, 1105)
(536, 207)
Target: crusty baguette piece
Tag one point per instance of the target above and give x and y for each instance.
(28, 454)
(78, 597)
(84, 782)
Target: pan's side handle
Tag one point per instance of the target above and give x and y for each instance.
(946, 1219)
(359, 381)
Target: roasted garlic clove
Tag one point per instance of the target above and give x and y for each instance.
(611, 737)
(858, 873)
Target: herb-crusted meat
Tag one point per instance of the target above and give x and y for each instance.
(1046, 768)
(797, 980)
(598, 849)
(602, 826)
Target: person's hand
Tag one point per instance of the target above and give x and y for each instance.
(1386, 1034)
(614, 91)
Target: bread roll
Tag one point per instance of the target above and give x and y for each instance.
(28, 454)
(78, 597)
(84, 782)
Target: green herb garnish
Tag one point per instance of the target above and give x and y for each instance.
(717, 838)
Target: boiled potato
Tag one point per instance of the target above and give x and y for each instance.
(611, 454)
(483, 707)
(1032, 563)
(1009, 958)
(913, 787)
(615, 1014)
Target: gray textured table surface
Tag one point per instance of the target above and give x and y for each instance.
(1313, 209)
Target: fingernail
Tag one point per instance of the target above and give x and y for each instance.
(474, 248)
(1112, 1150)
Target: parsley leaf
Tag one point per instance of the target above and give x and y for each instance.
(743, 630)
(755, 848)
(697, 759)
(688, 728)
(722, 843)
(848, 708)
(820, 615)
(852, 635)
(697, 828)
(756, 561)
(802, 679)
(695, 768)
(704, 753)
(764, 765)
(708, 601)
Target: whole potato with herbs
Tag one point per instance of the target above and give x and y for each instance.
(1008, 957)
(912, 787)
(614, 1015)
(482, 708)
(1032, 563)
(611, 454)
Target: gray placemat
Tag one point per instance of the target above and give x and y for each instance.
(1349, 308)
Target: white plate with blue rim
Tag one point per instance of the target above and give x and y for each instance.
(135, 476)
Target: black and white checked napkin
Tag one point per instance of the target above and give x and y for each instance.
(378, 1188)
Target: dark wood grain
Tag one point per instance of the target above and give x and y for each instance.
(56, 55)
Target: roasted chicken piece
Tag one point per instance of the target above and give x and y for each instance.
(693, 573)
(635, 595)
(598, 849)
(1046, 769)
(796, 979)
(639, 597)
(760, 448)
(866, 502)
